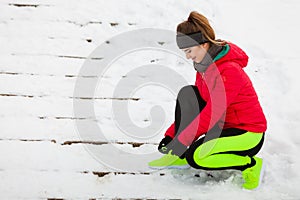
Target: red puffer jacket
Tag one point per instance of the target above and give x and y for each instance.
(231, 99)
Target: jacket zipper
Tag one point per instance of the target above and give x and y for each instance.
(202, 74)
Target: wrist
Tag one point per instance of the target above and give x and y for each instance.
(178, 148)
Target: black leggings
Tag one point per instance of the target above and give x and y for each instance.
(234, 147)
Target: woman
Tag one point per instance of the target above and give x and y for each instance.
(219, 123)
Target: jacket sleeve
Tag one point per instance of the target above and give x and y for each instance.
(223, 89)
(171, 131)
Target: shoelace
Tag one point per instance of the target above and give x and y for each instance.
(169, 156)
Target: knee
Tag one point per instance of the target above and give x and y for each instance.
(185, 91)
(190, 95)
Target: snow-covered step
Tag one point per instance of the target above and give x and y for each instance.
(80, 185)
(62, 130)
(54, 156)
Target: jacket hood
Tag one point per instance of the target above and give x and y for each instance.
(235, 54)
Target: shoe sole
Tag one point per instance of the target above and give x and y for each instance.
(171, 167)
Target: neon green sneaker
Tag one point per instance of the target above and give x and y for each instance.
(169, 161)
(253, 175)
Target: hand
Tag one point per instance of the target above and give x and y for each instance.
(162, 147)
(178, 148)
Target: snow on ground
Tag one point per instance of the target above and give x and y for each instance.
(50, 143)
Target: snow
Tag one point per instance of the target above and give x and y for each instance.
(45, 46)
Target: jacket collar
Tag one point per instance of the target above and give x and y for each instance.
(208, 59)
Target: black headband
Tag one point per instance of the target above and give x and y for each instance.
(190, 40)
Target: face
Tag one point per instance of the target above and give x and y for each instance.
(196, 53)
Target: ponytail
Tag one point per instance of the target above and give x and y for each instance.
(197, 22)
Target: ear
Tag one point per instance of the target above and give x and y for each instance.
(206, 45)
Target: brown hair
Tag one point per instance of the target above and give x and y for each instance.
(198, 22)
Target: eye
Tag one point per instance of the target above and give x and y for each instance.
(187, 51)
